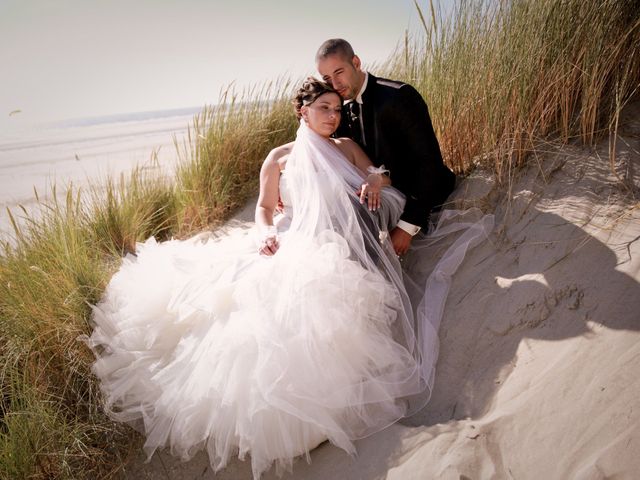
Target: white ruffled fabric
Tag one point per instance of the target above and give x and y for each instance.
(212, 346)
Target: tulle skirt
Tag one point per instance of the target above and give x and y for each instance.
(208, 345)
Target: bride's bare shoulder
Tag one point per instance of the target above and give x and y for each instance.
(279, 154)
(347, 146)
(280, 151)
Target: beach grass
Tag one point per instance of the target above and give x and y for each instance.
(221, 157)
(52, 425)
(134, 206)
(498, 76)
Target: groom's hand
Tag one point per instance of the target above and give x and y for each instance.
(401, 240)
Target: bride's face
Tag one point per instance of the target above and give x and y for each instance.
(323, 115)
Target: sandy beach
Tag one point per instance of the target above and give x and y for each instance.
(83, 154)
(539, 367)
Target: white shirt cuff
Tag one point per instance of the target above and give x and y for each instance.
(410, 228)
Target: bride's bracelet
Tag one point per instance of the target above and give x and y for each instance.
(268, 231)
(381, 170)
(264, 235)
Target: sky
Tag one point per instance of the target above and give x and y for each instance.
(68, 59)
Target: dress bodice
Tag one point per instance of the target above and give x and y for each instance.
(283, 219)
(285, 195)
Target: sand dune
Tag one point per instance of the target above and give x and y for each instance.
(539, 369)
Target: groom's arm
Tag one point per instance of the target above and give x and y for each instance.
(423, 178)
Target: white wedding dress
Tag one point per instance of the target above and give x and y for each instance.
(212, 346)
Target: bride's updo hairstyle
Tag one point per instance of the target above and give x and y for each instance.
(311, 89)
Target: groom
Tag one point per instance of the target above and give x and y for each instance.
(391, 122)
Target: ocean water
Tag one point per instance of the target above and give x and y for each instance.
(83, 152)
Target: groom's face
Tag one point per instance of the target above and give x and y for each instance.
(343, 74)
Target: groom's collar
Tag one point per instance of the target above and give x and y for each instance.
(362, 89)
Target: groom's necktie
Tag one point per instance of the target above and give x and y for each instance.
(355, 121)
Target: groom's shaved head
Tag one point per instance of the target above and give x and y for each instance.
(335, 46)
(340, 67)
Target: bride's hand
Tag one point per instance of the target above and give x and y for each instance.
(370, 191)
(269, 244)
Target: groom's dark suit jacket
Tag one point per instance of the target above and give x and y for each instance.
(399, 135)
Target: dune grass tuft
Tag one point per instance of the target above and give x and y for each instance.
(499, 75)
(220, 161)
(132, 208)
(51, 422)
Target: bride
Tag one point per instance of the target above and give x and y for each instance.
(272, 342)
